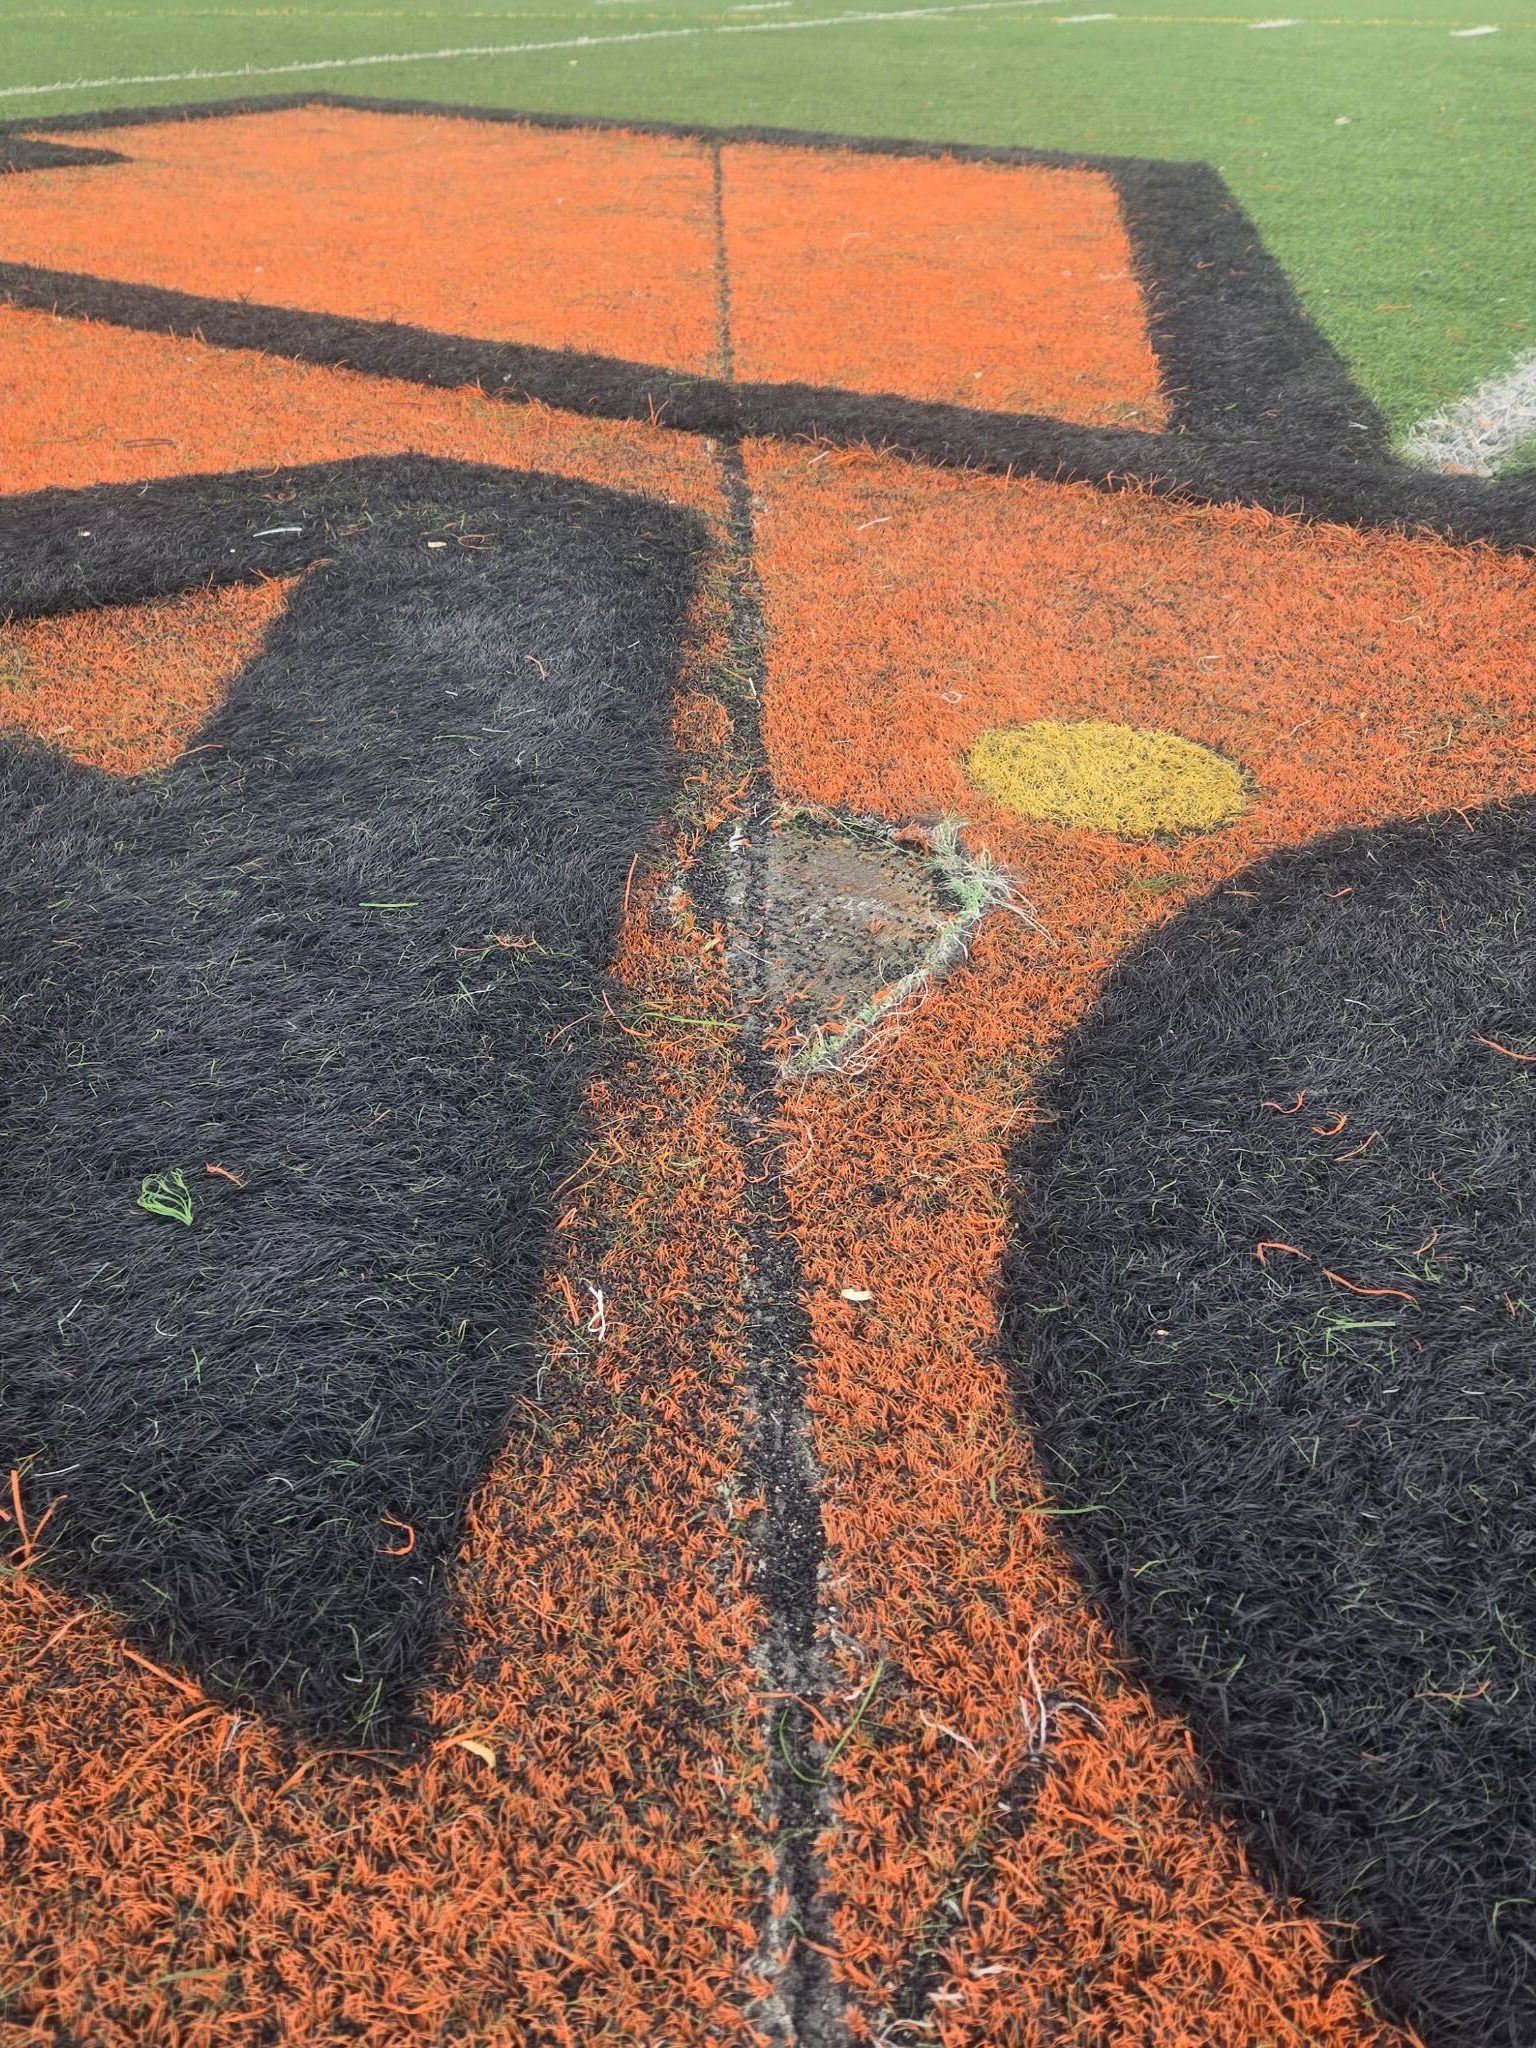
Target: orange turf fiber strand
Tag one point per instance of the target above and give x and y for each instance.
(124, 688)
(971, 284)
(1356, 677)
(584, 240)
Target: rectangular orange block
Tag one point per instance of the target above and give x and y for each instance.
(1007, 287)
(592, 240)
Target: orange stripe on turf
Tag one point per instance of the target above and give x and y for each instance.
(584, 240)
(973, 284)
(85, 404)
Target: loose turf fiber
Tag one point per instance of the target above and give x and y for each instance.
(1270, 1315)
(335, 969)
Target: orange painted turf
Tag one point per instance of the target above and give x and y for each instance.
(124, 688)
(584, 241)
(971, 284)
(84, 404)
(579, 1855)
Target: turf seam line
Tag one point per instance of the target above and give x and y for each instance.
(792, 1541)
(804, 2009)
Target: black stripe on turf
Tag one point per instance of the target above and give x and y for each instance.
(1296, 477)
(1237, 352)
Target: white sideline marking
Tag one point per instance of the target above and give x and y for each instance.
(1474, 436)
(1487, 29)
(643, 35)
(1282, 21)
(1068, 19)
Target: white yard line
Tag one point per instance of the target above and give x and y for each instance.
(1478, 433)
(644, 35)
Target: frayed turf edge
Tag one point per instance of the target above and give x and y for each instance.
(973, 882)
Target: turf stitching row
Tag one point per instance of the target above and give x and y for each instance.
(796, 1930)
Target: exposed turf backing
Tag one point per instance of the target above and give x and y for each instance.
(1271, 1323)
(346, 950)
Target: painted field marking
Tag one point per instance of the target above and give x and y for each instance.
(1479, 432)
(1487, 29)
(643, 35)
(1284, 21)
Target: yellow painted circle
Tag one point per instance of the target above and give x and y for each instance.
(1110, 778)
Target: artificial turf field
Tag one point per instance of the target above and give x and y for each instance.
(768, 1015)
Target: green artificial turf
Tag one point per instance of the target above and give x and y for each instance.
(1386, 160)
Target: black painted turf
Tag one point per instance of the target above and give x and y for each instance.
(1310, 1512)
(476, 732)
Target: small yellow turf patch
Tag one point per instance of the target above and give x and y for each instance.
(1111, 778)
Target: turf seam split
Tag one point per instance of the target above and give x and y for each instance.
(804, 2008)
